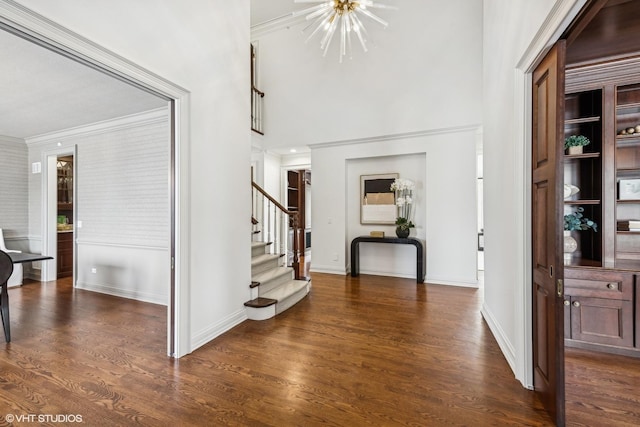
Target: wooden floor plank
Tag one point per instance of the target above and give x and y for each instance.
(356, 351)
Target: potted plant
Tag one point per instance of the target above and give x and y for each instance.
(574, 144)
(575, 221)
(404, 203)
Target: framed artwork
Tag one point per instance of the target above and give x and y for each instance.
(377, 200)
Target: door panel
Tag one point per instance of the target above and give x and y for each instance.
(546, 224)
(603, 321)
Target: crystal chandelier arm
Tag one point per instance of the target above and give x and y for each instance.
(343, 16)
(365, 4)
(321, 21)
(357, 25)
(315, 10)
(372, 16)
(343, 36)
(326, 41)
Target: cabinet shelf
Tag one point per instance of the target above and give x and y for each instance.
(628, 140)
(579, 120)
(583, 262)
(628, 172)
(582, 202)
(627, 264)
(629, 201)
(620, 108)
(582, 156)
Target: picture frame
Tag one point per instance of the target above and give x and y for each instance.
(377, 200)
(629, 189)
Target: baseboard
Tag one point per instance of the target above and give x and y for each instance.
(327, 269)
(201, 338)
(124, 293)
(503, 342)
(389, 274)
(459, 283)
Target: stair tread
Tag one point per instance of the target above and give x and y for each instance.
(273, 273)
(260, 302)
(286, 289)
(262, 258)
(260, 244)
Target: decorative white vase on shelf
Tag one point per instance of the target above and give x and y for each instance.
(570, 246)
(575, 150)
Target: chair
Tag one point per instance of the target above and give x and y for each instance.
(6, 269)
(16, 277)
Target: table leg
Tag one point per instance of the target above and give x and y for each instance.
(4, 311)
(355, 258)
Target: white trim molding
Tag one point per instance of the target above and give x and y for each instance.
(145, 118)
(398, 136)
(208, 334)
(283, 22)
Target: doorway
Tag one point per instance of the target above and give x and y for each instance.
(65, 184)
(56, 39)
(602, 94)
(600, 48)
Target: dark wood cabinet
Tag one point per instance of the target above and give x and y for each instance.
(298, 200)
(602, 275)
(599, 306)
(65, 254)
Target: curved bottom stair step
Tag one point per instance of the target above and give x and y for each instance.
(260, 302)
(284, 296)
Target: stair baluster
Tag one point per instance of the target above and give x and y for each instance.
(278, 225)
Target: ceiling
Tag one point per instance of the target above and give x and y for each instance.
(265, 10)
(606, 30)
(42, 91)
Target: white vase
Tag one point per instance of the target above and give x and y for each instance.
(570, 246)
(575, 150)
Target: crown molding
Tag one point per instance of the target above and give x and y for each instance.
(157, 115)
(594, 76)
(23, 22)
(397, 136)
(283, 22)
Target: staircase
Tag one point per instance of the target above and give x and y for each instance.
(273, 286)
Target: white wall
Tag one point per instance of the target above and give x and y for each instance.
(200, 46)
(122, 199)
(386, 260)
(510, 29)
(443, 166)
(418, 91)
(14, 171)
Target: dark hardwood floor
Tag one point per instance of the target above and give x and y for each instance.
(357, 351)
(602, 389)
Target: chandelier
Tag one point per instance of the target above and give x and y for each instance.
(341, 16)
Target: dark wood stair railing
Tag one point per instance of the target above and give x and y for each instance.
(279, 226)
(256, 110)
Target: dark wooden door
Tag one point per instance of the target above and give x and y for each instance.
(547, 247)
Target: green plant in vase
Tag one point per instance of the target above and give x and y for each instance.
(404, 203)
(574, 143)
(575, 221)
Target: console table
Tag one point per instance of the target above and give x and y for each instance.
(421, 257)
